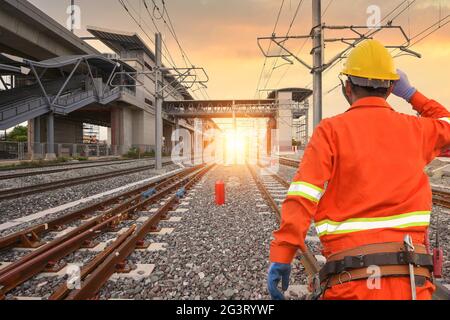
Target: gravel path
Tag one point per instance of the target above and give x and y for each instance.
(85, 171)
(214, 252)
(440, 225)
(16, 208)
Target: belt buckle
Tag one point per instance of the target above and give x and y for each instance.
(340, 277)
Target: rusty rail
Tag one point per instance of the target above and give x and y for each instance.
(289, 162)
(30, 237)
(63, 291)
(104, 271)
(307, 259)
(82, 165)
(35, 189)
(33, 263)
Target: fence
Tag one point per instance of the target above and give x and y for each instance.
(25, 151)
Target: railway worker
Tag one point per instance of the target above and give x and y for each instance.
(363, 184)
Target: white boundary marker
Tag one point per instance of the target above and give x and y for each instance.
(35, 216)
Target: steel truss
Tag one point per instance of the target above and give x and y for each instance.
(228, 109)
(317, 35)
(177, 79)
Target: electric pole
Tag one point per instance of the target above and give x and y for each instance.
(317, 52)
(72, 16)
(159, 102)
(317, 35)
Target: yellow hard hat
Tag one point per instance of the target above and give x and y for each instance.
(371, 60)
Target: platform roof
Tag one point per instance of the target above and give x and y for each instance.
(298, 94)
(120, 41)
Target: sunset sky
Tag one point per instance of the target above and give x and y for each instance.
(220, 35)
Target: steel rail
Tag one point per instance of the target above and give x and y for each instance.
(35, 189)
(32, 264)
(96, 280)
(49, 171)
(29, 238)
(49, 165)
(63, 290)
(289, 162)
(307, 259)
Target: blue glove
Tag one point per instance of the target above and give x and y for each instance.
(277, 272)
(403, 88)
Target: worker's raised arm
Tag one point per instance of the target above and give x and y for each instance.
(303, 197)
(427, 108)
(436, 129)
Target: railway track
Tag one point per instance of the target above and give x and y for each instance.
(103, 217)
(289, 162)
(308, 260)
(67, 167)
(39, 188)
(62, 164)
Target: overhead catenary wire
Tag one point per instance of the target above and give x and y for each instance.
(165, 47)
(397, 14)
(126, 5)
(274, 66)
(368, 34)
(270, 46)
(327, 7)
(168, 22)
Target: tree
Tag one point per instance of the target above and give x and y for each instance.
(18, 134)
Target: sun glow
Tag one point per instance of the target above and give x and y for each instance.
(235, 147)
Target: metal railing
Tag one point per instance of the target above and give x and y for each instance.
(25, 151)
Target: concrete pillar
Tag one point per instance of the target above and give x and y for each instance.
(271, 140)
(50, 155)
(198, 141)
(36, 147)
(285, 121)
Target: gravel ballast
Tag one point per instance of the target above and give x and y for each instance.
(214, 252)
(17, 208)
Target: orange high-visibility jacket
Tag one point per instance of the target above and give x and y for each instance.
(362, 181)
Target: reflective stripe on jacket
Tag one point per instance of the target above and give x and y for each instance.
(362, 178)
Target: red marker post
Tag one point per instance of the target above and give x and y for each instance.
(220, 193)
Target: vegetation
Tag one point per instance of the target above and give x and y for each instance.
(18, 134)
(135, 153)
(41, 163)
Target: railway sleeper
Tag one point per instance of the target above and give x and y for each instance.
(29, 241)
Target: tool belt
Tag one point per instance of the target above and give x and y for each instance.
(392, 259)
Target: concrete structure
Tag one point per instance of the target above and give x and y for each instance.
(61, 82)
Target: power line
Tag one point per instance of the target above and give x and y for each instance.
(270, 46)
(172, 31)
(327, 7)
(370, 34)
(170, 60)
(152, 17)
(287, 34)
(124, 5)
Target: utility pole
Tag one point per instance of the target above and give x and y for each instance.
(317, 35)
(159, 102)
(317, 52)
(72, 16)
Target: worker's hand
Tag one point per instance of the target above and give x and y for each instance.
(277, 272)
(402, 87)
